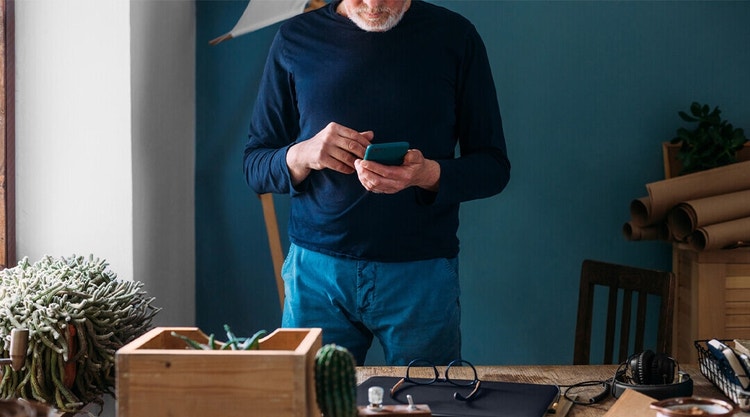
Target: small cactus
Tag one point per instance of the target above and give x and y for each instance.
(336, 381)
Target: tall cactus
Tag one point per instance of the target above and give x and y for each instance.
(336, 381)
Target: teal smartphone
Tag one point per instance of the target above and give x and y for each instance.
(391, 153)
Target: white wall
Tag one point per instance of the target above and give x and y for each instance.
(105, 140)
(163, 112)
(74, 188)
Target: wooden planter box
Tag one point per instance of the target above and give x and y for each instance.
(158, 377)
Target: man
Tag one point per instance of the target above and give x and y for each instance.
(374, 247)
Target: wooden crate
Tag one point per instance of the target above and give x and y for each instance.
(713, 297)
(158, 377)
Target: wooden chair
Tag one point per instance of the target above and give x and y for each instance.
(626, 280)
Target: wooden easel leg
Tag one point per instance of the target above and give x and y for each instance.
(274, 241)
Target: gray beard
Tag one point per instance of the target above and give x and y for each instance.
(370, 26)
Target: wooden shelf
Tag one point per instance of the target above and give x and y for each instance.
(713, 297)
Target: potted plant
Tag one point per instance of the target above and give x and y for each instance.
(713, 142)
(77, 315)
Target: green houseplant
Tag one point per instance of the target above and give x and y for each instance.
(713, 142)
(78, 315)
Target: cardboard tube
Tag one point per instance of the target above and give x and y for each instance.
(634, 232)
(664, 195)
(685, 218)
(722, 235)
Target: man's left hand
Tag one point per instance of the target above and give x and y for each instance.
(390, 179)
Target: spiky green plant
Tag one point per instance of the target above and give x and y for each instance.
(336, 381)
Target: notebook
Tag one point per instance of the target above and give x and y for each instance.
(494, 399)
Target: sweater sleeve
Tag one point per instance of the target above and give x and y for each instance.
(274, 126)
(482, 168)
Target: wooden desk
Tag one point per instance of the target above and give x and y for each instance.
(561, 375)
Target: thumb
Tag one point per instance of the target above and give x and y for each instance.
(413, 156)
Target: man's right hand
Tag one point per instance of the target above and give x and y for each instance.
(335, 147)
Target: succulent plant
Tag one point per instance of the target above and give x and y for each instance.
(78, 314)
(712, 143)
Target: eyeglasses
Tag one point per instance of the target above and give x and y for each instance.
(460, 370)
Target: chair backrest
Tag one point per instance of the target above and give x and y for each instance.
(628, 281)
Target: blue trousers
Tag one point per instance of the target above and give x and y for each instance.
(411, 307)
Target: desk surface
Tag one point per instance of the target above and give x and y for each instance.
(562, 375)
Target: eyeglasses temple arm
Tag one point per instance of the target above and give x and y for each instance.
(397, 386)
(471, 395)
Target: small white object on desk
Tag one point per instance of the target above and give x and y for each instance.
(376, 407)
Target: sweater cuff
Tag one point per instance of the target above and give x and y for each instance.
(302, 186)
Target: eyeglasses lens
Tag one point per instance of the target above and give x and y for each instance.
(461, 373)
(422, 372)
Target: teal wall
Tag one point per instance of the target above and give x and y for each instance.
(588, 91)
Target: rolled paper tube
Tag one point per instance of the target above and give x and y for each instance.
(639, 211)
(721, 235)
(634, 232)
(664, 195)
(685, 218)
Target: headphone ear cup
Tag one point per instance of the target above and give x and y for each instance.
(641, 369)
(662, 369)
(634, 364)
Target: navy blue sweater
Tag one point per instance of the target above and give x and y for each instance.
(427, 81)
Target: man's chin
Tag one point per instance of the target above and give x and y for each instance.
(375, 26)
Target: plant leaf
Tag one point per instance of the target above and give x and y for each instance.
(686, 117)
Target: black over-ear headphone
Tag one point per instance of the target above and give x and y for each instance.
(652, 374)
